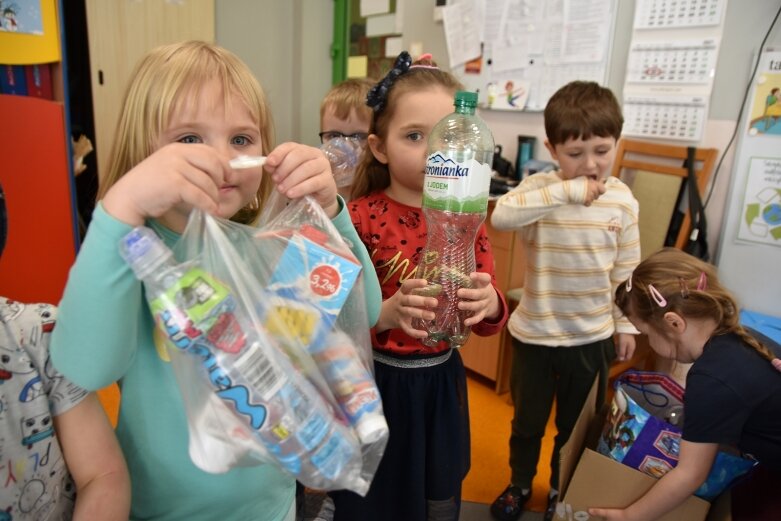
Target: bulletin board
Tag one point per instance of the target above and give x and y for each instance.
(374, 37)
(530, 48)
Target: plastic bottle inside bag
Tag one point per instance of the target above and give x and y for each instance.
(199, 315)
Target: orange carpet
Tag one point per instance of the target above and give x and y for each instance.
(490, 416)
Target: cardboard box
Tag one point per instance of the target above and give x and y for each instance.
(589, 479)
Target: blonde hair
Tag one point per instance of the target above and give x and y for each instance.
(347, 96)
(690, 287)
(371, 175)
(165, 80)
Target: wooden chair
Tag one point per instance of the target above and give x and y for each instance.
(633, 155)
(657, 159)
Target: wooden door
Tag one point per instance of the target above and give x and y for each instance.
(120, 33)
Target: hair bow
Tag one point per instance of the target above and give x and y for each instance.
(378, 95)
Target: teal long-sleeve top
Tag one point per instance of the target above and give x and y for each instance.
(105, 334)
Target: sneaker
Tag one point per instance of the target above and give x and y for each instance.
(509, 505)
(550, 510)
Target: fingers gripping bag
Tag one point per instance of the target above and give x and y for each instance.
(248, 398)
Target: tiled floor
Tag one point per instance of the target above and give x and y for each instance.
(479, 512)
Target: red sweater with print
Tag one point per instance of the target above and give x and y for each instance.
(394, 234)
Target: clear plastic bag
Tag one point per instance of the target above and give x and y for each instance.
(268, 338)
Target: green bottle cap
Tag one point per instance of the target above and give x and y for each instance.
(467, 98)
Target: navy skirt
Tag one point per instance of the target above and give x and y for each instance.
(427, 456)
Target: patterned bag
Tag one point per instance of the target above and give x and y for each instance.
(643, 431)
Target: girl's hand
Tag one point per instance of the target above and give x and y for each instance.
(481, 299)
(610, 514)
(176, 175)
(398, 311)
(300, 170)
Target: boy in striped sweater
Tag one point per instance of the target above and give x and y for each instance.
(581, 239)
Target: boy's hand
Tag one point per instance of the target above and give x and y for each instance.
(398, 311)
(626, 346)
(175, 176)
(300, 170)
(481, 299)
(594, 189)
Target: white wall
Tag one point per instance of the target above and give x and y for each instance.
(286, 44)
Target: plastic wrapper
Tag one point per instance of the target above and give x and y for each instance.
(643, 431)
(267, 333)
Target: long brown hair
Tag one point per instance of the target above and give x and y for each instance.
(688, 287)
(163, 80)
(371, 175)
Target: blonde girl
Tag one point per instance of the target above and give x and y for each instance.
(189, 109)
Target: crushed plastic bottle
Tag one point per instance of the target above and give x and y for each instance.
(455, 201)
(198, 315)
(343, 154)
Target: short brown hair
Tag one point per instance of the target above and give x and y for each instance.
(346, 96)
(582, 109)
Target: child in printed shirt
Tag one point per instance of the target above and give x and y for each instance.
(423, 389)
(580, 237)
(344, 124)
(60, 458)
(189, 109)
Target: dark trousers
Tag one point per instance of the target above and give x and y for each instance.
(539, 374)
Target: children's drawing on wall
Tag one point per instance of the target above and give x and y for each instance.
(761, 220)
(508, 94)
(21, 16)
(766, 109)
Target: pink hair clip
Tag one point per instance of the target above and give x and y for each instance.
(702, 283)
(426, 56)
(628, 285)
(658, 298)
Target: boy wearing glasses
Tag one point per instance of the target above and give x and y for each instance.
(344, 127)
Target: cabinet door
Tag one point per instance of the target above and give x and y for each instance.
(120, 33)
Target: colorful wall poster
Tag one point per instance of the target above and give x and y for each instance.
(766, 106)
(761, 216)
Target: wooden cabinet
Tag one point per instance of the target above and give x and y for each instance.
(490, 356)
(120, 33)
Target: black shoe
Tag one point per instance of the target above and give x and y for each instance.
(509, 505)
(550, 511)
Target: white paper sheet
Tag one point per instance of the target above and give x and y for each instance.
(372, 7)
(461, 33)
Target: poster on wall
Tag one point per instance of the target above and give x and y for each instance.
(766, 107)
(21, 16)
(761, 216)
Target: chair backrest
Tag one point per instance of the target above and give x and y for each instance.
(639, 162)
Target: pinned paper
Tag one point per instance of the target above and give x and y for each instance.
(357, 66)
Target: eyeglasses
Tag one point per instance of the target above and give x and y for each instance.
(328, 135)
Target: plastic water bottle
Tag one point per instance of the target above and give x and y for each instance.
(199, 316)
(343, 154)
(455, 201)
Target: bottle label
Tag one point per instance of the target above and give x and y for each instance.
(456, 187)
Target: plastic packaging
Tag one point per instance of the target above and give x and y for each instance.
(277, 406)
(343, 154)
(455, 202)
